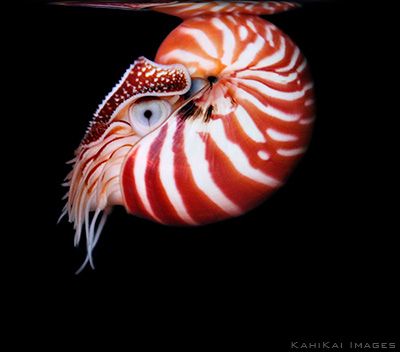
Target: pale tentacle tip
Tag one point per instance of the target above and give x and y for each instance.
(62, 216)
(83, 266)
(71, 161)
(88, 260)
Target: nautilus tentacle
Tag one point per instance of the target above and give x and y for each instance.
(229, 105)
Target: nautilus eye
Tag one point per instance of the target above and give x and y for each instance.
(145, 116)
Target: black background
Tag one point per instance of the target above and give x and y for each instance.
(317, 259)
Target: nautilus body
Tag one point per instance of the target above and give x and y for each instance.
(204, 132)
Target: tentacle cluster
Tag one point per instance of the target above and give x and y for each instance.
(94, 184)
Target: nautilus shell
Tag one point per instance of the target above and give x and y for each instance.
(204, 132)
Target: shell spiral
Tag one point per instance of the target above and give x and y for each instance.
(260, 108)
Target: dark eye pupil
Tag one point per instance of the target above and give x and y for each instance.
(147, 114)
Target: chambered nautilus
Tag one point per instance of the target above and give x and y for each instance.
(204, 132)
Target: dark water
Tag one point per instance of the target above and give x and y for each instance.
(317, 259)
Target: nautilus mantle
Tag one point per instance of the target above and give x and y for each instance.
(204, 132)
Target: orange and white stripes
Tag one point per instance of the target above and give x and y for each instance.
(188, 10)
(195, 172)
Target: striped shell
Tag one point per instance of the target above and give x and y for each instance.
(240, 110)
